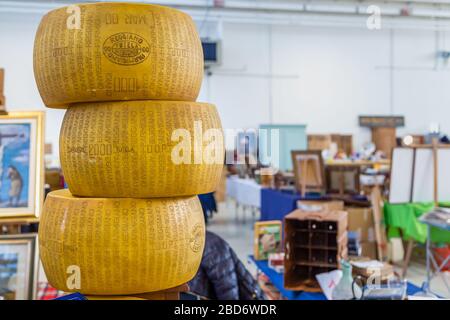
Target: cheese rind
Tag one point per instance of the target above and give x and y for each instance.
(129, 149)
(117, 51)
(120, 246)
(113, 298)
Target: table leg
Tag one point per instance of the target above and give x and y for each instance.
(438, 270)
(407, 257)
(443, 264)
(428, 257)
(341, 182)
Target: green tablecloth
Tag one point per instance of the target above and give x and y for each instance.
(406, 217)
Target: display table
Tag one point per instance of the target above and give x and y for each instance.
(275, 204)
(231, 187)
(358, 163)
(277, 280)
(406, 218)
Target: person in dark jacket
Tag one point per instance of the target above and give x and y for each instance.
(221, 275)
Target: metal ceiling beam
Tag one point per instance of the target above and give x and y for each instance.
(424, 14)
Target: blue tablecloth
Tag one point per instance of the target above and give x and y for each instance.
(277, 280)
(209, 205)
(208, 202)
(275, 204)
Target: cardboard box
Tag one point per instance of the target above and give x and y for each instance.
(360, 220)
(315, 242)
(267, 239)
(385, 271)
(318, 206)
(369, 269)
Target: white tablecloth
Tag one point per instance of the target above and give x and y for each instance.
(245, 191)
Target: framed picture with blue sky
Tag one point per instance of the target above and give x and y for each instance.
(21, 164)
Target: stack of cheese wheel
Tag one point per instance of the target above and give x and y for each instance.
(135, 148)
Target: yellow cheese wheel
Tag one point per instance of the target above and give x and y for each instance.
(122, 246)
(113, 298)
(141, 149)
(117, 51)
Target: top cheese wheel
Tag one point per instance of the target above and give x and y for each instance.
(117, 51)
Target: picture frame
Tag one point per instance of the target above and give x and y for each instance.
(267, 239)
(343, 180)
(402, 174)
(412, 175)
(21, 164)
(311, 163)
(19, 263)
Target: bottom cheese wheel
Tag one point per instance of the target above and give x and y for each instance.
(120, 246)
(113, 298)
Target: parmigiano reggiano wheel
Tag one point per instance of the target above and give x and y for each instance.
(113, 298)
(121, 246)
(141, 149)
(117, 51)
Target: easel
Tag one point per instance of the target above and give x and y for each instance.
(309, 171)
(305, 164)
(2, 96)
(435, 146)
(380, 231)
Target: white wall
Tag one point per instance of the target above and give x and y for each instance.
(322, 76)
(326, 77)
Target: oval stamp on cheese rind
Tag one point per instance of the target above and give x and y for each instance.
(126, 48)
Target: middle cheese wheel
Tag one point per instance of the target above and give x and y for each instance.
(123, 246)
(141, 149)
